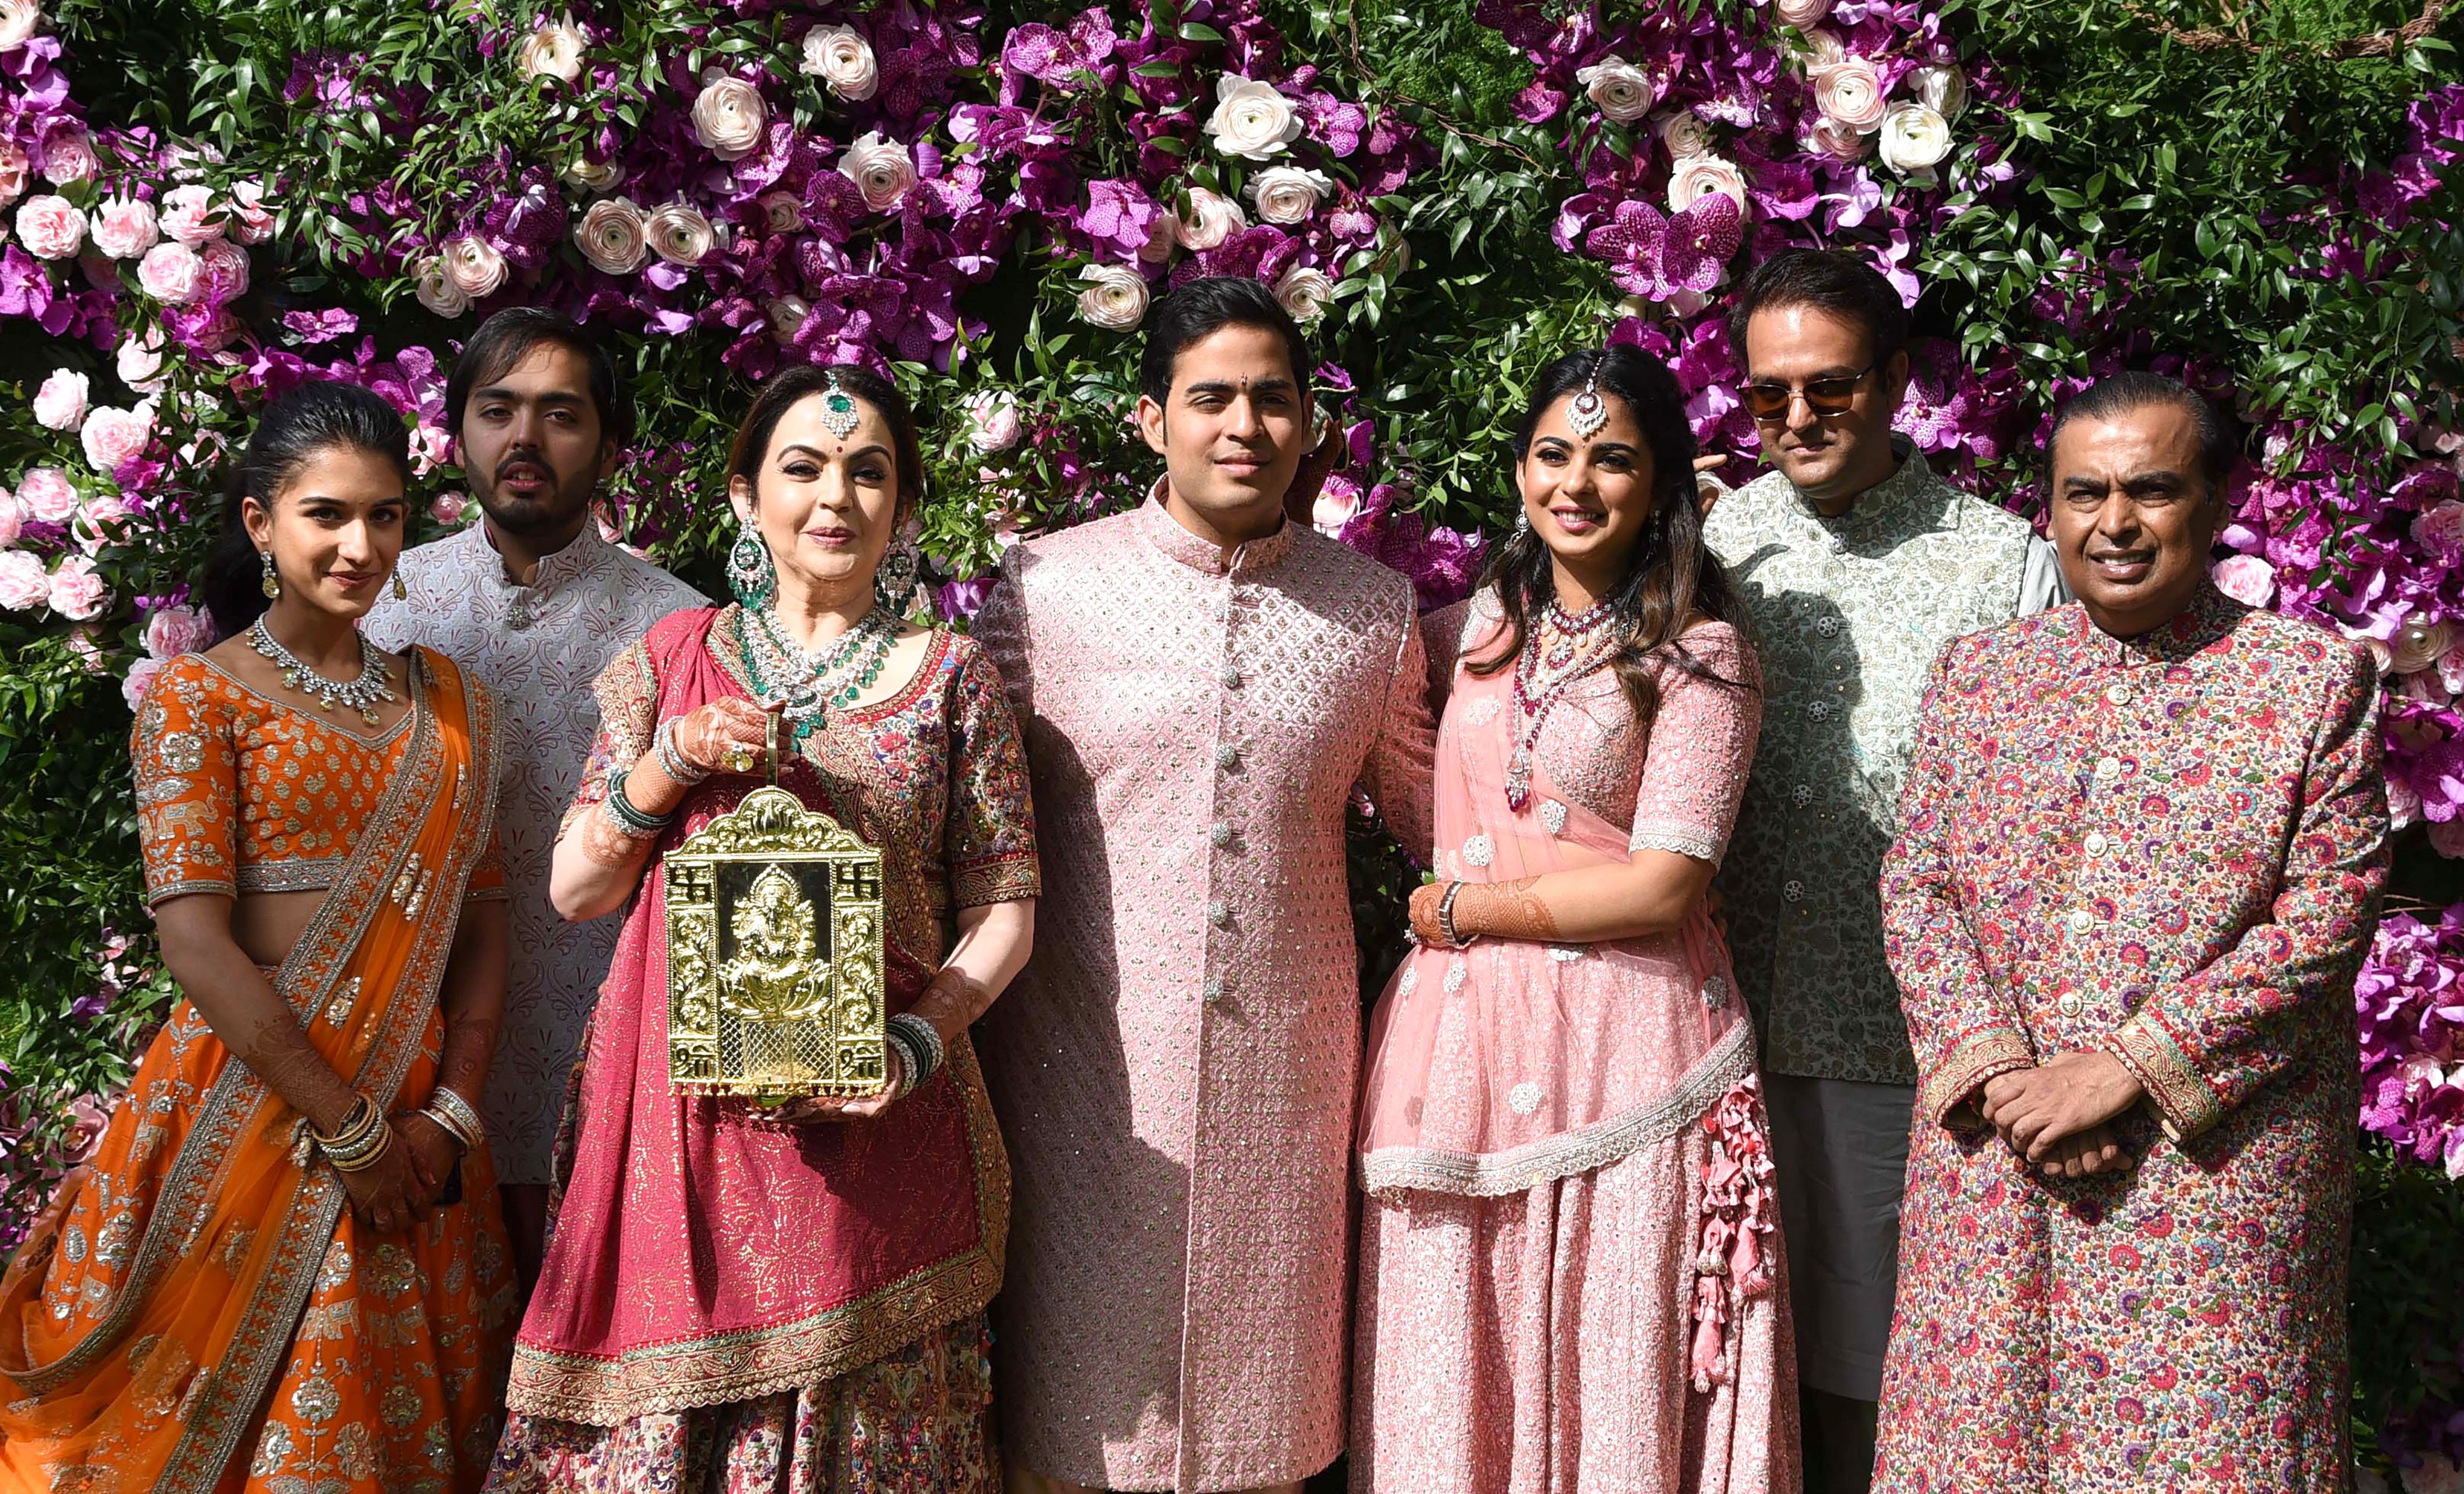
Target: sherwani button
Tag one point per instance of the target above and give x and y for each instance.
(2107, 769)
(2095, 844)
(2069, 1003)
(1220, 833)
(1227, 757)
(1219, 912)
(2082, 920)
(2118, 692)
(1231, 677)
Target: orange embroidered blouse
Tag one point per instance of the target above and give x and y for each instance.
(240, 793)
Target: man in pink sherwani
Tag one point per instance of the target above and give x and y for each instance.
(1200, 683)
(2141, 851)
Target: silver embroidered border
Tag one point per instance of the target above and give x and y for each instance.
(1684, 840)
(306, 874)
(1493, 1174)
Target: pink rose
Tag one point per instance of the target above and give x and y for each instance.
(250, 221)
(112, 436)
(103, 521)
(47, 495)
(125, 228)
(430, 447)
(139, 680)
(2440, 530)
(992, 420)
(68, 156)
(2245, 578)
(445, 508)
(51, 228)
(13, 519)
(138, 361)
(88, 1119)
(14, 166)
(60, 405)
(77, 593)
(222, 271)
(172, 274)
(189, 215)
(23, 585)
(173, 631)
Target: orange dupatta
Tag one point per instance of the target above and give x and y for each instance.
(140, 1362)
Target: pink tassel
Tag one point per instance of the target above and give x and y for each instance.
(1730, 1265)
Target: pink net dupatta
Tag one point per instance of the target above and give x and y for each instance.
(703, 1253)
(1499, 1067)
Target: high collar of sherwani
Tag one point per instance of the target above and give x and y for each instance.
(1885, 505)
(554, 570)
(2193, 631)
(1205, 555)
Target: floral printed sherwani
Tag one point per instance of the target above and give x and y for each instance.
(2170, 848)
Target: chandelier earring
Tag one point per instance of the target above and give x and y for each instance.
(750, 572)
(270, 582)
(893, 583)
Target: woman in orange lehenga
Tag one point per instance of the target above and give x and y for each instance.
(285, 1268)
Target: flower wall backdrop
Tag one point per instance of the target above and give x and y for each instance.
(204, 201)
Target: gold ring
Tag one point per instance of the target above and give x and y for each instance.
(738, 761)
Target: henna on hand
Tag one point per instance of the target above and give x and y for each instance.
(707, 735)
(1504, 911)
(1426, 900)
(469, 1044)
(951, 1002)
(608, 846)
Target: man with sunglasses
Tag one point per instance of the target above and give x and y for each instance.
(1858, 564)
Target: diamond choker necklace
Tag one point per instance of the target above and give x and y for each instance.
(373, 688)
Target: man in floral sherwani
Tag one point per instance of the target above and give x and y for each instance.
(2141, 852)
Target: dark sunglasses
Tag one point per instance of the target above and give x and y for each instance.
(1768, 403)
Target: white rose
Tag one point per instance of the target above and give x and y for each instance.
(730, 117)
(172, 274)
(1116, 297)
(1913, 138)
(993, 421)
(124, 227)
(785, 314)
(1289, 194)
(594, 176)
(1850, 91)
(60, 405)
(680, 234)
(553, 51)
(1684, 134)
(24, 585)
(1212, 219)
(611, 236)
(138, 361)
(880, 168)
(435, 289)
(1251, 118)
(189, 215)
(1942, 87)
(1695, 175)
(1304, 293)
(1618, 89)
(842, 59)
(17, 21)
(476, 269)
(1803, 14)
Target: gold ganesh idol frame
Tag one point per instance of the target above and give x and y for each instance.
(775, 956)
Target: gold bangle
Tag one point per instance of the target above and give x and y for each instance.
(456, 1115)
(362, 1134)
(362, 1162)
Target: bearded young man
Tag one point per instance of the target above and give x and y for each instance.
(534, 602)
(1857, 564)
(1200, 682)
(2140, 862)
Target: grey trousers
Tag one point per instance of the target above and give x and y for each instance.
(1840, 1151)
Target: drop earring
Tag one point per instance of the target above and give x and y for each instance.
(270, 583)
(401, 592)
(750, 574)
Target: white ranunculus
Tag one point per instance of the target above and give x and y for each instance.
(1684, 134)
(1618, 89)
(553, 51)
(1803, 14)
(612, 235)
(1695, 175)
(1115, 297)
(1251, 119)
(1942, 87)
(1289, 194)
(1826, 51)
(1850, 91)
(594, 176)
(679, 235)
(1304, 293)
(881, 170)
(60, 405)
(435, 288)
(730, 117)
(477, 269)
(1835, 140)
(842, 59)
(785, 314)
(18, 19)
(2419, 645)
(1913, 138)
(1212, 219)
(783, 211)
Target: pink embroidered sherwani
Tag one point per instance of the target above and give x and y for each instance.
(2170, 847)
(1175, 1072)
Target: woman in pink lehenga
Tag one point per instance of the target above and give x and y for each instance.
(1570, 1268)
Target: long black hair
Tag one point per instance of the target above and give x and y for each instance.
(1672, 580)
(785, 390)
(312, 419)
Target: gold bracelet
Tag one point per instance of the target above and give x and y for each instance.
(361, 1135)
(454, 1113)
(371, 1157)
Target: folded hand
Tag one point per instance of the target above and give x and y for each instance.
(2033, 1109)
